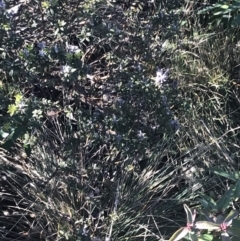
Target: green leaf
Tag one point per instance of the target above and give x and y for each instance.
(236, 20)
(205, 9)
(19, 131)
(45, 4)
(4, 134)
(210, 202)
(235, 231)
(236, 193)
(18, 99)
(12, 109)
(205, 237)
(218, 13)
(224, 6)
(225, 236)
(233, 214)
(193, 237)
(232, 176)
(190, 218)
(28, 150)
(207, 225)
(204, 203)
(179, 234)
(224, 201)
(236, 222)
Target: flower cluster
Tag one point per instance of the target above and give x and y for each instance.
(161, 77)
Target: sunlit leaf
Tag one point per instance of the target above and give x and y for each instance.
(233, 214)
(179, 234)
(189, 214)
(224, 6)
(18, 98)
(207, 225)
(45, 4)
(232, 176)
(206, 237)
(12, 109)
(4, 134)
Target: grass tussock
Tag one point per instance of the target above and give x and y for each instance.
(112, 116)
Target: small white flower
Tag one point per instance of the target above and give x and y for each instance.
(141, 135)
(22, 106)
(13, 10)
(139, 66)
(85, 231)
(106, 97)
(42, 45)
(66, 69)
(91, 22)
(41, 53)
(161, 77)
(120, 67)
(72, 48)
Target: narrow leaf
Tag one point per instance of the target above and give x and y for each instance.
(232, 176)
(235, 231)
(236, 20)
(237, 191)
(206, 9)
(204, 203)
(207, 225)
(224, 201)
(211, 203)
(225, 6)
(193, 237)
(233, 214)
(179, 234)
(189, 214)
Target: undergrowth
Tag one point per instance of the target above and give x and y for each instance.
(112, 115)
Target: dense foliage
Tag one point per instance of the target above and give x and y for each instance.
(113, 114)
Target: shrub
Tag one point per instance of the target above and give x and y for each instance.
(110, 118)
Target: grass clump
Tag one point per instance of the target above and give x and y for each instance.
(112, 115)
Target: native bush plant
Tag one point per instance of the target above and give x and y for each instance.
(110, 120)
(86, 104)
(215, 220)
